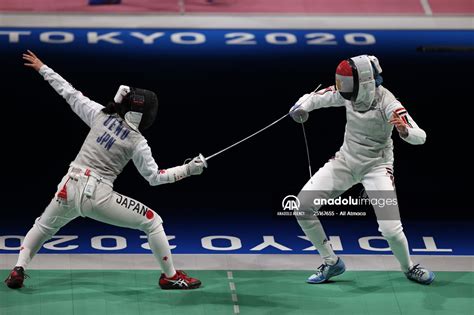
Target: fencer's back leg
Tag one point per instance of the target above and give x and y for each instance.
(329, 181)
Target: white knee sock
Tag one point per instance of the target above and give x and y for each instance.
(315, 233)
(161, 249)
(399, 246)
(32, 243)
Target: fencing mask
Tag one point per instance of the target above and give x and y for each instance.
(137, 106)
(356, 80)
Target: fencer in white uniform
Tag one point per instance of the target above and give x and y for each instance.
(115, 138)
(366, 156)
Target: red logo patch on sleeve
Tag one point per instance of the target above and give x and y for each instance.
(150, 214)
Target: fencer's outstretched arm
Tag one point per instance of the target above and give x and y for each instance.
(81, 105)
(407, 127)
(327, 97)
(146, 165)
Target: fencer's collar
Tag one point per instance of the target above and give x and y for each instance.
(133, 120)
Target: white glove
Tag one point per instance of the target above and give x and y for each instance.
(298, 112)
(195, 166)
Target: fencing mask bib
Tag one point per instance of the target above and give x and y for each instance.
(137, 106)
(357, 79)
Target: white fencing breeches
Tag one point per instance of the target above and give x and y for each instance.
(333, 179)
(104, 205)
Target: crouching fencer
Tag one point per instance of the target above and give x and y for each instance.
(86, 190)
(366, 156)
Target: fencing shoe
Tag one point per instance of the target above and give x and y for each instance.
(16, 278)
(325, 272)
(420, 274)
(180, 281)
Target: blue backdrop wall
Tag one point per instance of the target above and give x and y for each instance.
(218, 86)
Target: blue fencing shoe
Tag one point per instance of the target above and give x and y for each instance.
(420, 274)
(325, 272)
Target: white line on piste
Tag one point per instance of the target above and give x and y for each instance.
(234, 297)
(426, 7)
(235, 300)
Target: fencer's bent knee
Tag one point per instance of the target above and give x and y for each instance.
(153, 224)
(307, 210)
(307, 217)
(48, 226)
(390, 229)
(156, 229)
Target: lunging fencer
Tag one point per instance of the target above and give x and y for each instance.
(86, 190)
(366, 156)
